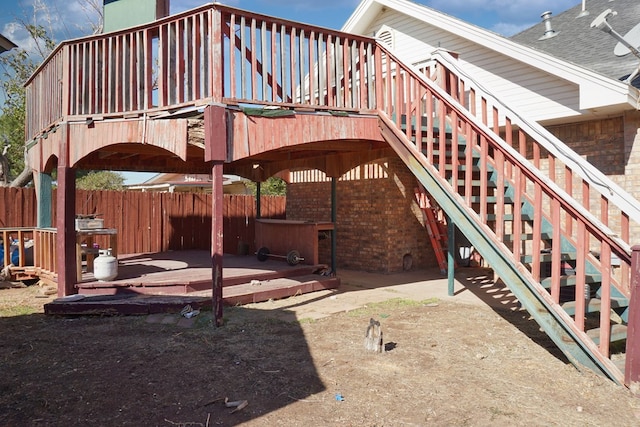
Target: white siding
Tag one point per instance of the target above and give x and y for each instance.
(538, 95)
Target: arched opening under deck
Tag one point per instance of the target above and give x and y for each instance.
(249, 146)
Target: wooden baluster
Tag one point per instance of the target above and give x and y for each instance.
(582, 248)
(605, 297)
(377, 55)
(406, 102)
(265, 70)
(253, 53)
(468, 175)
(556, 249)
(625, 272)
(568, 183)
(517, 214)
(430, 124)
(442, 139)
(632, 359)
(499, 194)
(508, 137)
(180, 60)
(362, 86)
(301, 69)
(273, 83)
(484, 159)
(537, 231)
(455, 161)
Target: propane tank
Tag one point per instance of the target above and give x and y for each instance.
(105, 266)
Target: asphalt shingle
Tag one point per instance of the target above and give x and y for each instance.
(576, 42)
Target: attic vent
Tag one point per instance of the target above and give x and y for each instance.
(385, 35)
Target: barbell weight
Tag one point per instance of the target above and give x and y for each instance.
(293, 257)
(263, 253)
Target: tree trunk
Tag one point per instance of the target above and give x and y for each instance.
(23, 179)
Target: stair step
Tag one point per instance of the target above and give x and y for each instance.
(593, 307)
(509, 217)
(424, 125)
(476, 183)
(491, 199)
(618, 333)
(570, 280)
(528, 236)
(447, 153)
(546, 257)
(461, 167)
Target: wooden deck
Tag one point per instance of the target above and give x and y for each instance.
(167, 281)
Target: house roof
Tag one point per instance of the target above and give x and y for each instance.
(6, 44)
(576, 42)
(597, 90)
(165, 181)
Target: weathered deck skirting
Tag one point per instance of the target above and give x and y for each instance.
(165, 283)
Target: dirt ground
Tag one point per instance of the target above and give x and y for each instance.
(445, 364)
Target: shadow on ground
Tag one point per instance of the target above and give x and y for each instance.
(497, 295)
(133, 371)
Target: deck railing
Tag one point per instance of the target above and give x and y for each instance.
(44, 252)
(13, 246)
(191, 58)
(29, 252)
(271, 61)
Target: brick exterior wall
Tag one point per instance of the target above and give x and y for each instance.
(378, 221)
(379, 226)
(601, 142)
(613, 146)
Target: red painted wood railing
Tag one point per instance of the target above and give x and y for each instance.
(191, 58)
(614, 207)
(414, 98)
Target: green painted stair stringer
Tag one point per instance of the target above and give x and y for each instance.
(556, 323)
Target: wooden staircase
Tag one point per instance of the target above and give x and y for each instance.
(436, 226)
(547, 247)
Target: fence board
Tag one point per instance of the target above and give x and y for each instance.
(153, 222)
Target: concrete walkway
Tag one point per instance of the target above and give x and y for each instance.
(473, 286)
(357, 289)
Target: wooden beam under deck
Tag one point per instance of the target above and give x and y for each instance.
(252, 135)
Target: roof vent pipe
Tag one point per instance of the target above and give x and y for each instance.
(548, 31)
(584, 12)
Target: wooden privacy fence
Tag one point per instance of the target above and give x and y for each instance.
(153, 222)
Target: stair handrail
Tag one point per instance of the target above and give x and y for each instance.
(603, 184)
(568, 200)
(584, 349)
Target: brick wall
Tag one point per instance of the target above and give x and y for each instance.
(601, 142)
(379, 225)
(613, 146)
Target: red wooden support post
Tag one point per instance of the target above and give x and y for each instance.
(215, 136)
(217, 238)
(632, 362)
(66, 236)
(215, 119)
(65, 220)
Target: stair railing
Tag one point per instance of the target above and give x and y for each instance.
(613, 206)
(409, 96)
